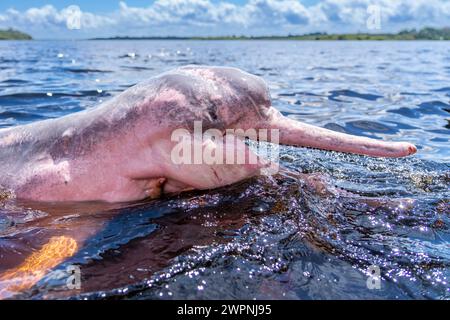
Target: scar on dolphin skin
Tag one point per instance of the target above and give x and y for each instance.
(36, 266)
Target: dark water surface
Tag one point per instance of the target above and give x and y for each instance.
(310, 232)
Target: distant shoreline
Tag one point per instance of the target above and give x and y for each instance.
(239, 39)
(11, 34)
(406, 35)
(423, 34)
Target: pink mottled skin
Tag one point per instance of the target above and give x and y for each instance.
(121, 150)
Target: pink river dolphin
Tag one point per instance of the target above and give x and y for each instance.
(121, 150)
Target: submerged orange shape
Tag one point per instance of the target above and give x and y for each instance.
(36, 266)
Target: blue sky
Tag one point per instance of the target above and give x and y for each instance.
(95, 18)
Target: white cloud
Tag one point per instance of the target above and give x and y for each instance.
(203, 12)
(394, 14)
(192, 17)
(48, 17)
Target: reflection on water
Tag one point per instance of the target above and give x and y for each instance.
(310, 232)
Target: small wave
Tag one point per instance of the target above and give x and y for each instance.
(324, 68)
(371, 126)
(137, 68)
(407, 112)
(434, 107)
(444, 89)
(336, 127)
(27, 116)
(75, 70)
(8, 61)
(14, 81)
(352, 94)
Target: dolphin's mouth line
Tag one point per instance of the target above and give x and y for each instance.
(327, 150)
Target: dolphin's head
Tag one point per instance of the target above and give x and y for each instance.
(231, 98)
(225, 98)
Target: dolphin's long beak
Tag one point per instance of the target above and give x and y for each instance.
(296, 133)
